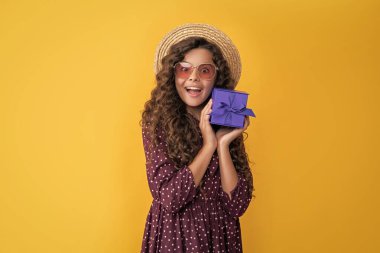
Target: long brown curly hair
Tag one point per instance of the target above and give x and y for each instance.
(166, 110)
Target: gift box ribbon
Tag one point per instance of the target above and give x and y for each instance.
(230, 108)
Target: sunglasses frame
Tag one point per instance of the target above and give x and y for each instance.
(196, 67)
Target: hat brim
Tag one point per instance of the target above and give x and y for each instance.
(210, 33)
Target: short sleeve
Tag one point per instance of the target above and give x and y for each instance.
(172, 187)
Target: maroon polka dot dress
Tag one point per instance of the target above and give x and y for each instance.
(183, 219)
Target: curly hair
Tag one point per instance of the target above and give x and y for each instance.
(166, 110)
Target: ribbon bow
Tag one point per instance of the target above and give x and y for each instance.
(231, 108)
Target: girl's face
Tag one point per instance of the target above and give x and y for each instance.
(192, 98)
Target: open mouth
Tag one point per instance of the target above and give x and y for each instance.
(193, 91)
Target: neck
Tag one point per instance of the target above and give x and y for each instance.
(195, 111)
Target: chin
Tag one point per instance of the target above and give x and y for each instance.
(193, 104)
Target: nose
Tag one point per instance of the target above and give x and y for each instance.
(194, 74)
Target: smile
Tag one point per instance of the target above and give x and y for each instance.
(193, 91)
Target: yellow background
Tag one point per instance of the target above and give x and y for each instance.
(74, 76)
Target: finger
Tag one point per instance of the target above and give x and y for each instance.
(206, 107)
(204, 116)
(209, 110)
(201, 119)
(207, 116)
(246, 123)
(209, 104)
(207, 119)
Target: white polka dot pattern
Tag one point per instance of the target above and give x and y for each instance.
(180, 219)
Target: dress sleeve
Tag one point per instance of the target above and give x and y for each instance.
(173, 188)
(240, 197)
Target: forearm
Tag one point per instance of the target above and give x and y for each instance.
(200, 163)
(228, 174)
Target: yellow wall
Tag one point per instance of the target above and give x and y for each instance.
(74, 76)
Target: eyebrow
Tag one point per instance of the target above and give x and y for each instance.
(199, 64)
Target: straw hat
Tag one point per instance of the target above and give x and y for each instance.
(210, 33)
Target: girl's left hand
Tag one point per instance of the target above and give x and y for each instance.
(225, 135)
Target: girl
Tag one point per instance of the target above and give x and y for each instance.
(198, 173)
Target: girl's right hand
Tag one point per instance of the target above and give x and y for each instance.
(208, 134)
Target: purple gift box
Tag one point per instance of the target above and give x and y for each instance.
(229, 108)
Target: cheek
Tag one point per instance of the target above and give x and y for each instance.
(179, 81)
(179, 84)
(210, 86)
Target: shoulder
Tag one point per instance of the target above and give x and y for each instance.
(157, 132)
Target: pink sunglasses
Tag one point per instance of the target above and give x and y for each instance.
(184, 69)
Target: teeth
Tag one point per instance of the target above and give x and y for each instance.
(192, 88)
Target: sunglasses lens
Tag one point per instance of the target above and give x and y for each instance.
(206, 71)
(183, 69)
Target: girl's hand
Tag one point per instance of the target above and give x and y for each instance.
(225, 135)
(208, 134)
